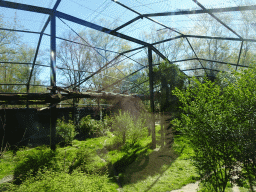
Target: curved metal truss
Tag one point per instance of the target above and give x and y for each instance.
(152, 49)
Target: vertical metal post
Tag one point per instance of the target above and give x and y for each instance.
(53, 81)
(151, 88)
(239, 56)
(27, 93)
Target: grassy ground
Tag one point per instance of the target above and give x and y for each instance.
(7, 165)
(99, 165)
(164, 169)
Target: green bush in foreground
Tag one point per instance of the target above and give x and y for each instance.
(31, 161)
(69, 160)
(220, 124)
(55, 181)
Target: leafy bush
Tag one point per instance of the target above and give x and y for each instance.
(220, 124)
(66, 131)
(92, 128)
(31, 161)
(128, 128)
(55, 181)
(81, 162)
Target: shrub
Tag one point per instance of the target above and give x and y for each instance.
(31, 161)
(219, 122)
(55, 181)
(128, 128)
(82, 161)
(66, 131)
(92, 128)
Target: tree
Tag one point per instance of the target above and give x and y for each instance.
(211, 49)
(83, 60)
(74, 60)
(13, 50)
(8, 42)
(219, 123)
(168, 76)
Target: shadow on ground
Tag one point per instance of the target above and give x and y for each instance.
(148, 165)
(138, 165)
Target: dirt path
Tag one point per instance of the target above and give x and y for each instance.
(193, 187)
(6, 179)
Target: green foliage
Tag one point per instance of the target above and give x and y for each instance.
(81, 167)
(31, 161)
(56, 181)
(92, 128)
(168, 76)
(12, 50)
(7, 164)
(219, 123)
(82, 161)
(128, 128)
(66, 131)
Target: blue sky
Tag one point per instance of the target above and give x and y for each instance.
(94, 10)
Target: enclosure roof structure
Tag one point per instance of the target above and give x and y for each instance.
(201, 37)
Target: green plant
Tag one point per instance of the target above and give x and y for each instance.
(56, 181)
(31, 161)
(128, 128)
(66, 130)
(7, 164)
(82, 161)
(219, 122)
(91, 128)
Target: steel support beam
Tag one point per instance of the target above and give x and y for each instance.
(21, 84)
(165, 40)
(162, 56)
(94, 73)
(99, 28)
(69, 18)
(195, 54)
(53, 81)
(188, 12)
(238, 60)
(53, 52)
(128, 23)
(39, 42)
(131, 50)
(192, 36)
(200, 68)
(25, 7)
(177, 61)
(220, 38)
(124, 79)
(210, 13)
(140, 16)
(151, 88)
(191, 12)
(221, 62)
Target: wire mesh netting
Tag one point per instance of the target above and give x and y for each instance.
(82, 51)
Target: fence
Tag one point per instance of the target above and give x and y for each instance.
(20, 127)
